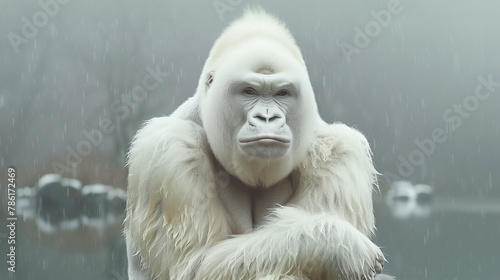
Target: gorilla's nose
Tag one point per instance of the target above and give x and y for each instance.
(267, 117)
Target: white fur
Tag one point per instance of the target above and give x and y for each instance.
(181, 220)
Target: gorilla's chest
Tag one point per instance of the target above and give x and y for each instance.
(247, 207)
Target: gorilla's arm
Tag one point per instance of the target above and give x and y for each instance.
(322, 233)
(173, 210)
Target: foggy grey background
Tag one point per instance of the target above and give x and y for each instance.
(77, 69)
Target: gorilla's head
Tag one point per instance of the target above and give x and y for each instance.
(257, 104)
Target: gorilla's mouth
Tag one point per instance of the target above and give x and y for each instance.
(265, 146)
(265, 139)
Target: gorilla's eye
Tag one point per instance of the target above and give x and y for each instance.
(249, 91)
(282, 92)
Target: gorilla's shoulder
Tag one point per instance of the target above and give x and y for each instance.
(167, 127)
(337, 141)
(163, 133)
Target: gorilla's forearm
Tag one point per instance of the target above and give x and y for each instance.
(294, 243)
(323, 233)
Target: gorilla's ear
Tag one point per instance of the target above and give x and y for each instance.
(209, 80)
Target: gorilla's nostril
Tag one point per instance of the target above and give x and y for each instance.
(261, 118)
(274, 118)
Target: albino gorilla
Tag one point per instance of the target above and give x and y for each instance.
(245, 180)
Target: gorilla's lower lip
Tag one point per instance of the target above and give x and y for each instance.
(265, 139)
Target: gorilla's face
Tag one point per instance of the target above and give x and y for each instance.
(264, 101)
(259, 112)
